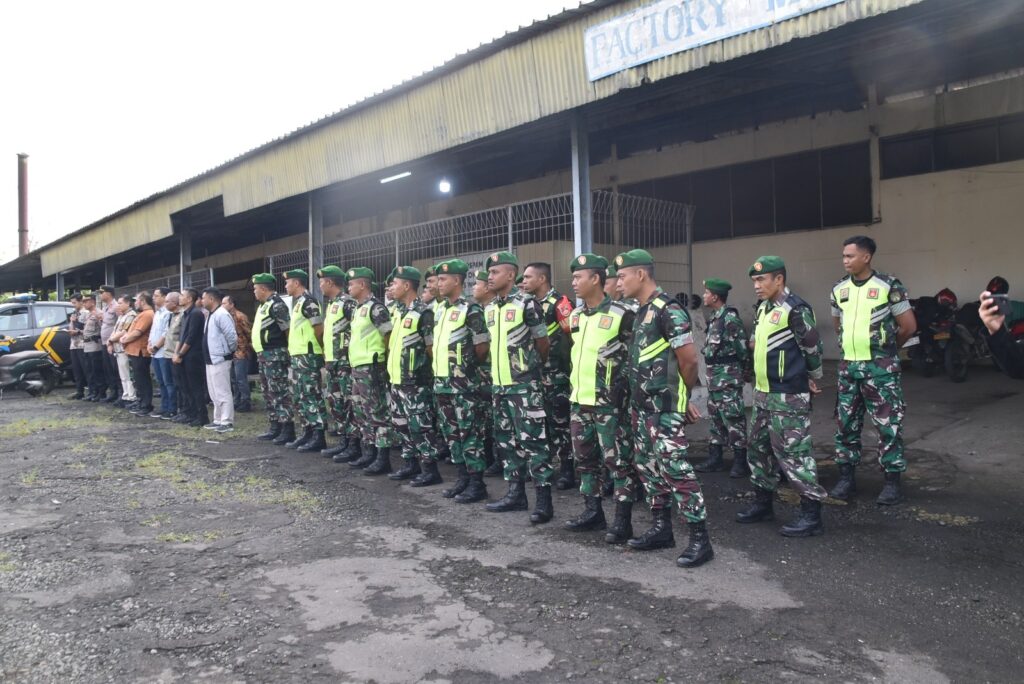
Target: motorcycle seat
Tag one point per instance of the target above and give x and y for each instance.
(11, 359)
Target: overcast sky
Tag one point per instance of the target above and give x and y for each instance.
(114, 101)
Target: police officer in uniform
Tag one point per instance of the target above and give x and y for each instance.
(461, 344)
(787, 362)
(483, 296)
(270, 328)
(338, 309)
(663, 359)
(556, 308)
(873, 318)
(728, 359)
(519, 348)
(371, 326)
(307, 360)
(601, 330)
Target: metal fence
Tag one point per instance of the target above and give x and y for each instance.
(199, 279)
(537, 230)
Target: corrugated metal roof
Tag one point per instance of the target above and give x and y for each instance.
(531, 73)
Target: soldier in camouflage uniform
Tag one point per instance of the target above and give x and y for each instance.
(412, 406)
(556, 308)
(728, 364)
(873, 318)
(601, 332)
(787, 362)
(663, 360)
(623, 477)
(307, 360)
(339, 308)
(370, 328)
(519, 346)
(461, 344)
(270, 328)
(483, 296)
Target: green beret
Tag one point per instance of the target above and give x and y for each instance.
(330, 272)
(298, 274)
(501, 258)
(519, 280)
(634, 257)
(360, 272)
(717, 285)
(456, 266)
(588, 260)
(767, 264)
(430, 272)
(264, 279)
(612, 272)
(481, 275)
(409, 273)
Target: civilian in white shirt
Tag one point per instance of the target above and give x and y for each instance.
(220, 341)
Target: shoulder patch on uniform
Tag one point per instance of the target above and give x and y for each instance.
(454, 315)
(510, 315)
(844, 294)
(575, 320)
(873, 293)
(490, 317)
(776, 316)
(649, 317)
(605, 323)
(407, 323)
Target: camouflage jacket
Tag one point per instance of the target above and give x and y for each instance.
(726, 351)
(556, 309)
(867, 314)
(787, 346)
(460, 326)
(662, 326)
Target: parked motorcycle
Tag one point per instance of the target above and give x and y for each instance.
(32, 371)
(936, 320)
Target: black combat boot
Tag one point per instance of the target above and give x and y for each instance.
(475, 491)
(567, 475)
(352, 452)
(307, 434)
(699, 550)
(315, 443)
(495, 469)
(543, 511)
(287, 434)
(461, 482)
(592, 517)
(514, 499)
(892, 492)
(659, 536)
(763, 507)
(271, 433)
(381, 464)
(807, 523)
(369, 455)
(331, 452)
(429, 476)
(410, 468)
(846, 487)
(622, 525)
(714, 463)
(740, 467)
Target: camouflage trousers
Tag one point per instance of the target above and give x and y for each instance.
(459, 422)
(781, 434)
(308, 400)
(660, 457)
(485, 418)
(274, 364)
(556, 411)
(626, 479)
(338, 392)
(593, 430)
(412, 416)
(881, 397)
(370, 406)
(520, 437)
(728, 416)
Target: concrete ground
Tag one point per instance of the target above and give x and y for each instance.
(131, 550)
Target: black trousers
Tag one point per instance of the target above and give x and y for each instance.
(195, 383)
(142, 379)
(97, 378)
(181, 383)
(78, 370)
(113, 378)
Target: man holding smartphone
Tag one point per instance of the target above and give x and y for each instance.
(994, 311)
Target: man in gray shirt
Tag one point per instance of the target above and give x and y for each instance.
(112, 378)
(220, 341)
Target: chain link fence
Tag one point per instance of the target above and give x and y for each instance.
(536, 230)
(199, 279)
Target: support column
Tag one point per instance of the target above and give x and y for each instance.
(185, 252)
(59, 286)
(315, 211)
(582, 216)
(108, 272)
(875, 154)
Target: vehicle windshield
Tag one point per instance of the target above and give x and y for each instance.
(14, 318)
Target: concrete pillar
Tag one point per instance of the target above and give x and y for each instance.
(185, 253)
(582, 216)
(315, 211)
(875, 151)
(108, 273)
(59, 286)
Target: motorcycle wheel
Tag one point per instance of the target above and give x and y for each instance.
(958, 357)
(40, 383)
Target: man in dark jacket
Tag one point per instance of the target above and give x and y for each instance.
(1009, 354)
(189, 356)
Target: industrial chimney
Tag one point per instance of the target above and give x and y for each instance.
(22, 204)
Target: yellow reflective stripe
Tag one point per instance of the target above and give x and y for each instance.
(652, 350)
(553, 328)
(683, 396)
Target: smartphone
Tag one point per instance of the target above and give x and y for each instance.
(1002, 304)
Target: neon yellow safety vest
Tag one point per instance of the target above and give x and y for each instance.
(595, 344)
(514, 358)
(779, 365)
(367, 345)
(657, 384)
(402, 349)
(335, 326)
(262, 311)
(451, 338)
(865, 310)
(301, 336)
